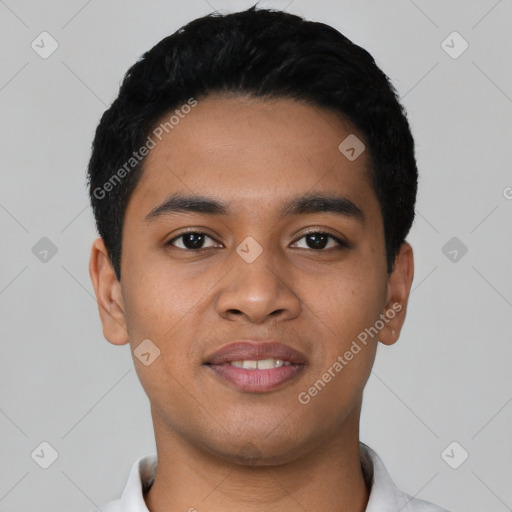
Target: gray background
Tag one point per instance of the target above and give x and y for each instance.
(447, 379)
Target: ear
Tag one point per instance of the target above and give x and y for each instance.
(108, 294)
(399, 287)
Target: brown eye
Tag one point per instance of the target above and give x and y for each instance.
(318, 241)
(192, 240)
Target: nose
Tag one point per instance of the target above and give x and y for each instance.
(259, 291)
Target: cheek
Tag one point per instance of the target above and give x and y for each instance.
(345, 352)
(158, 301)
(348, 300)
(161, 308)
(165, 307)
(344, 309)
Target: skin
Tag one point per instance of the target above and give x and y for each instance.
(220, 448)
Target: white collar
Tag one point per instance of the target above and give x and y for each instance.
(384, 495)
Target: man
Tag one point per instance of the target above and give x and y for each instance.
(253, 185)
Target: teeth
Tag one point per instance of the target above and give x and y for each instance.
(267, 364)
(262, 364)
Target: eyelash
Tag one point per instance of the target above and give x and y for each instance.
(341, 243)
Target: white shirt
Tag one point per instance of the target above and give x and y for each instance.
(384, 494)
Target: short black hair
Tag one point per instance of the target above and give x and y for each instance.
(260, 53)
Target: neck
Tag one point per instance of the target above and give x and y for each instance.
(326, 477)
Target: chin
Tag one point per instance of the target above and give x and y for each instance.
(257, 450)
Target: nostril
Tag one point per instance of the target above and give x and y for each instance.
(234, 312)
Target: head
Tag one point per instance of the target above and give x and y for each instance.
(260, 133)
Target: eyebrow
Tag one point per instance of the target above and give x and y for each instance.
(300, 205)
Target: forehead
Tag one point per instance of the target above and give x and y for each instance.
(252, 152)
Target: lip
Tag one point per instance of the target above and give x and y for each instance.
(256, 381)
(254, 350)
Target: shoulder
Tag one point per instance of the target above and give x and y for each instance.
(385, 496)
(416, 505)
(140, 479)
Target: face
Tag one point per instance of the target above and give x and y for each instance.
(258, 261)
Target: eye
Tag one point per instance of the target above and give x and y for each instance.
(315, 240)
(191, 240)
(318, 240)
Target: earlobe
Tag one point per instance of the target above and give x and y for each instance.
(108, 294)
(399, 287)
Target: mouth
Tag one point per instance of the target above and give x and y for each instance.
(256, 367)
